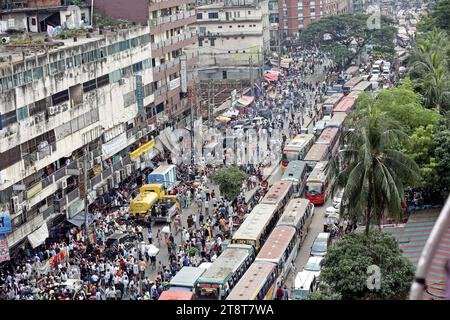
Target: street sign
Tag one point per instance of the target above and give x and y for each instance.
(139, 94)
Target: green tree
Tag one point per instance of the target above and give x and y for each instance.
(372, 170)
(345, 36)
(438, 17)
(345, 267)
(324, 292)
(229, 181)
(402, 105)
(429, 69)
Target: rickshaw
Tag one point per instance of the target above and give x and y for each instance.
(332, 219)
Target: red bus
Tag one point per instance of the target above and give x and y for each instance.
(318, 184)
(330, 137)
(346, 104)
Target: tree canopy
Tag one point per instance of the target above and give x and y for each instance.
(229, 181)
(345, 36)
(345, 268)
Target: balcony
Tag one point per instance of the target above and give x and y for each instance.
(234, 33)
(162, 24)
(164, 4)
(173, 43)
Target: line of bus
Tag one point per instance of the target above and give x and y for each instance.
(337, 120)
(296, 172)
(331, 103)
(318, 184)
(273, 263)
(225, 272)
(350, 84)
(318, 152)
(297, 149)
(330, 137)
(363, 86)
(346, 104)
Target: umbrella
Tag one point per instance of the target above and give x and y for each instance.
(166, 229)
(152, 250)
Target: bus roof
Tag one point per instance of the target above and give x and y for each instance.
(187, 277)
(176, 295)
(304, 279)
(317, 152)
(362, 86)
(227, 263)
(327, 136)
(278, 191)
(256, 222)
(353, 82)
(294, 212)
(352, 70)
(276, 244)
(252, 281)
(318, 173)
(299, 141)
(294, 170)
(334, 99)
(345, 104)
(337, 120)
(162, 169)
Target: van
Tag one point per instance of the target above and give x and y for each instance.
(305, 283)
(321, 245)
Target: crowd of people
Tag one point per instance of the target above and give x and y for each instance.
(73, 265)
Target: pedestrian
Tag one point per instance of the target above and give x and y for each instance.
(150, 236)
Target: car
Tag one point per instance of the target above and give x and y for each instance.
(386, 74)
(113, 241)
(330, 210)
(314, 265)
(321, 245)
(375, 70)
(326, 118)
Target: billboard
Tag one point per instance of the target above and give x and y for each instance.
(5, 221)
(4, 249)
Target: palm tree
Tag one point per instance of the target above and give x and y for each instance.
(430, 69)
(372, 171)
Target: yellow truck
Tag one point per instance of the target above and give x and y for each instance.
(153, 201)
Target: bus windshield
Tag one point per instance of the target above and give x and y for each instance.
(291, 155)
(314, 188)
(207, 293)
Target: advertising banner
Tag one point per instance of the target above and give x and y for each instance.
(5, 221)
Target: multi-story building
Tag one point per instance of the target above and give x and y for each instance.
(60, 100)
(288, 16)
(37, 15)
(233, 37)
(169, 22)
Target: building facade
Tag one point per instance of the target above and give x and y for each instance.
(233, 37)
(169, 24)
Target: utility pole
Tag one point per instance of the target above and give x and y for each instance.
(210, 88)
(86, 192)
(252, 85)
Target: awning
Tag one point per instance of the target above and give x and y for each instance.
(78, 220)
(36, 238)
(271, 76)
(246, 100)
(230, 113)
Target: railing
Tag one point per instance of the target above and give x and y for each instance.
(172, 18)
(73, 195)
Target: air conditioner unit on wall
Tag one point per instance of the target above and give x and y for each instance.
(139, 134)
(110, 182)
(98, 160)
(100, 191)
(63, 184)
(122, 81)
(117, 177)
(128, 169)
(51, 110)
(123, 174)
(15, 203)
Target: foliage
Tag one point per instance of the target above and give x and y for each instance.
(345, 267)
(372, 170)
(345, 36)
(105, 21)
(438, 17)
(429, 69)
(402, 105)
(229, 181)
(324, 292)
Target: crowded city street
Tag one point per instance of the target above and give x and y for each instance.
(69, 267)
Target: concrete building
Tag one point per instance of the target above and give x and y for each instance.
(287, 17)
(59, 100)
(36, 15)
(169, 23)
(233, 37)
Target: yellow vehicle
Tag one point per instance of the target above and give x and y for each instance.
(152, 200)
